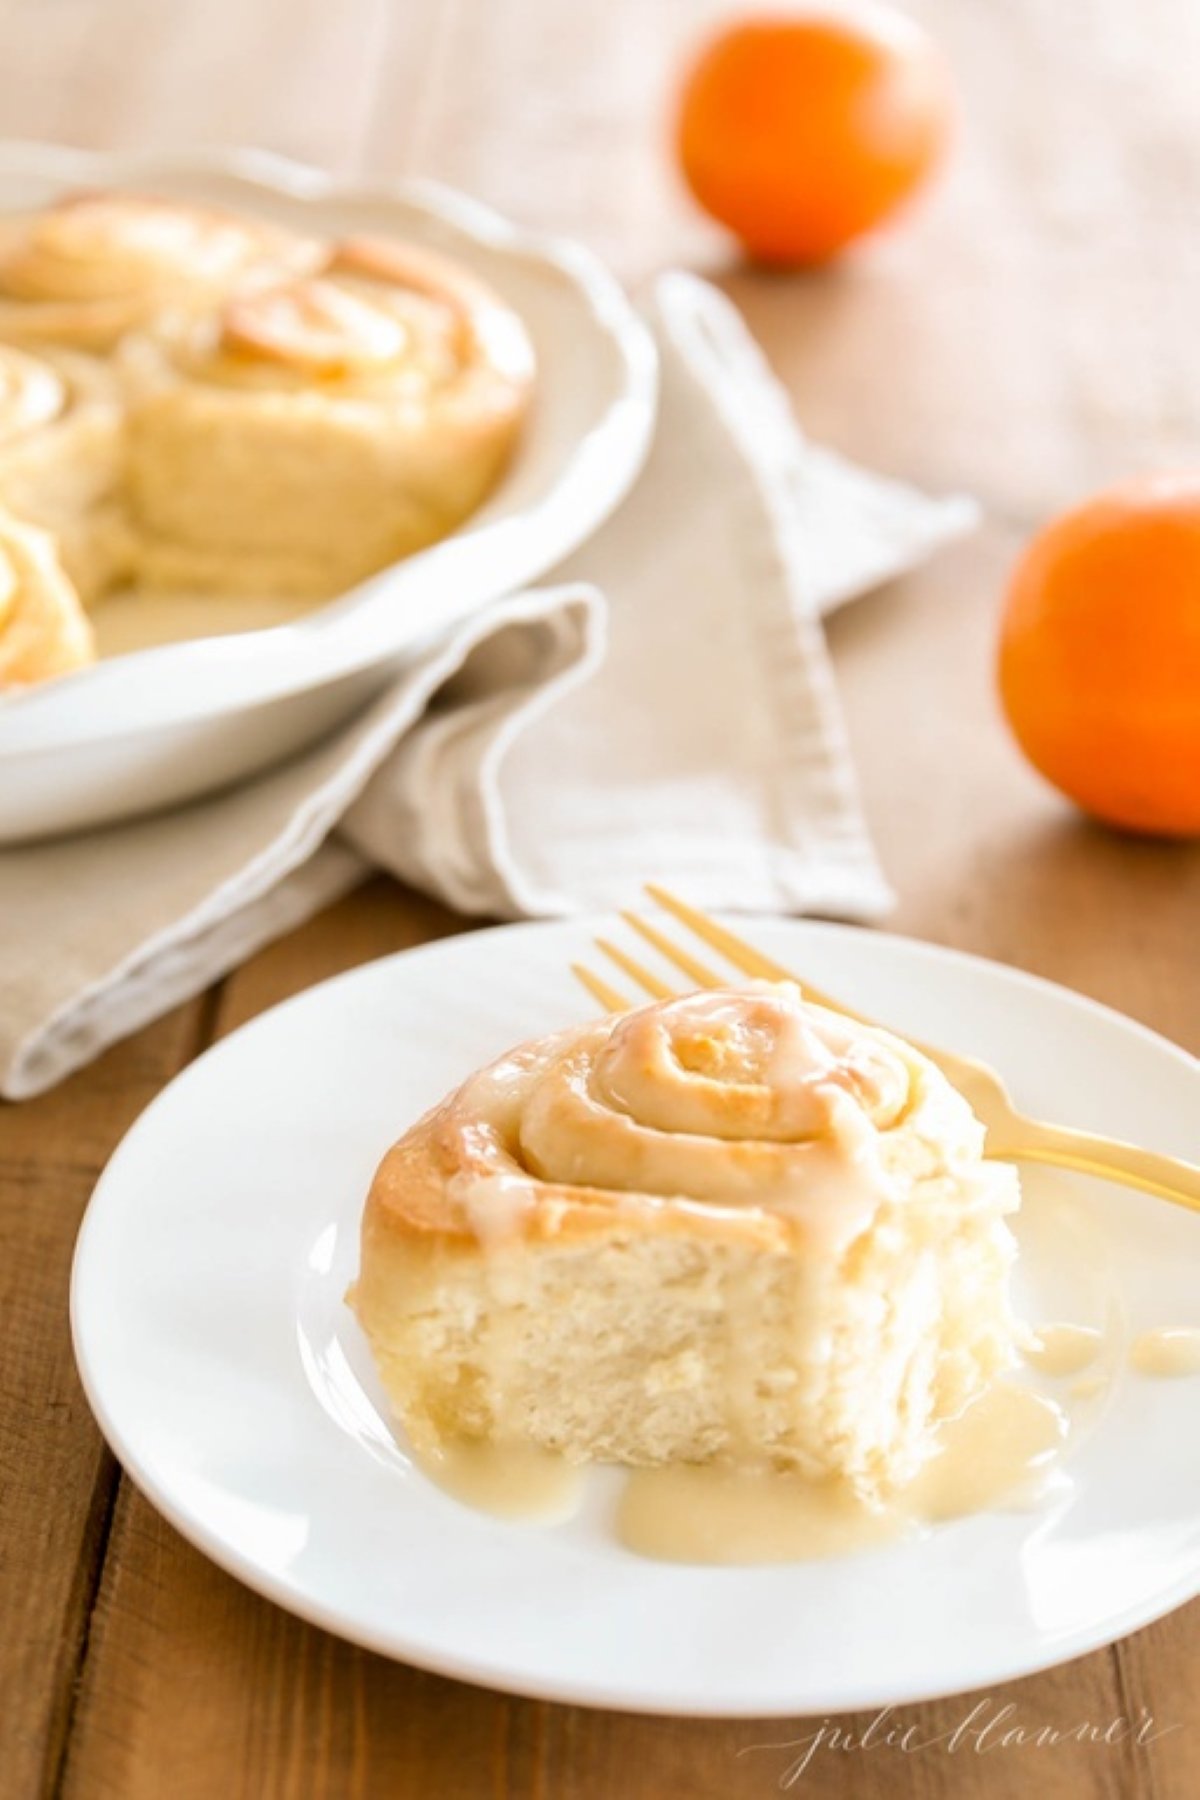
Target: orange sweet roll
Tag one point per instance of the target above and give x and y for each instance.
(733, 1225)
(44, 630)
(312, 431)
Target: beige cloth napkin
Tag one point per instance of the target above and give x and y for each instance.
(664, 706)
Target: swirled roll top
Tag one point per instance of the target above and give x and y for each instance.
(746, 1102)
(96, 265)
(717, 1096)
(44, 630)
(722, 1098)
(378, 319)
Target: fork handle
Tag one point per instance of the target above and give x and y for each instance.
(1088, 1154)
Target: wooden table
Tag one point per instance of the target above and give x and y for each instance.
(1030, 334)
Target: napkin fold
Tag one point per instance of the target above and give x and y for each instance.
(663, 706)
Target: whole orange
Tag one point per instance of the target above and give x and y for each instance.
(802, 131)
(1100, 655)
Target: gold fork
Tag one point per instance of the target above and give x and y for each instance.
(1011, 1136)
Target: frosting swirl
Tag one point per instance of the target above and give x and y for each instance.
(745, 1102)
(718, 1096)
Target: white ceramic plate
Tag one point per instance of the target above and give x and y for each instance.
(164, 724)
(232, 1383)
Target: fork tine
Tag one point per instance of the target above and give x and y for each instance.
(742, 955)
(599, 989)
(691, 966)
(637, 971)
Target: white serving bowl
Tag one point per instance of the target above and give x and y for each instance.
(162, 725)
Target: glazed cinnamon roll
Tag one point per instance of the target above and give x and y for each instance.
(733, 1226)
(310, 433)
(61, 460)
(94, 266)
(44, 630)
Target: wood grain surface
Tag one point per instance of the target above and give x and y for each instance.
(1030, 333)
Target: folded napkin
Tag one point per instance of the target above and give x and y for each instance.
(663, 706)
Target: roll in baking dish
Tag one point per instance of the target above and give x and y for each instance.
(44, 630)
(309, 433)
(62, 460)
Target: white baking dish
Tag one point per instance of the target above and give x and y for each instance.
(163, 725)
